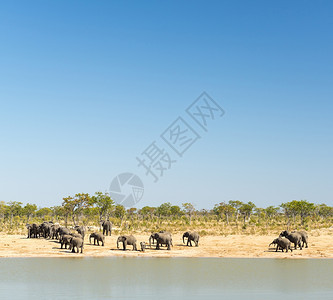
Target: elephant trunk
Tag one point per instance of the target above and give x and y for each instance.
(118, 243)
(183, 238)
(150, 241)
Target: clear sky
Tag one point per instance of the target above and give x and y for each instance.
(86, 87)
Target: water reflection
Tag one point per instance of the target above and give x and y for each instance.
(145, 278)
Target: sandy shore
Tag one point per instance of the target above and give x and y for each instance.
(320, 246)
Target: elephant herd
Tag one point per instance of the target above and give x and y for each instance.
(74, 240)
(162, 238)
(286, 239)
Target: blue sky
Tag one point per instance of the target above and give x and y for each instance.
(85, 87)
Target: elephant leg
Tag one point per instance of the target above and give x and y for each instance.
(157, 246)
(169, 248)
(124, 246)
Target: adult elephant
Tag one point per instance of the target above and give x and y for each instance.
(98, 237)
(77, 243)
(162, 238)
(191, 236)
(32, 230)
(107, 226)
(45, 229)
(54, 231)
(65, 240)
(293, 237)
(62, 231)
(81, 230)
(127, 240)
(304, 236)
(152, 239)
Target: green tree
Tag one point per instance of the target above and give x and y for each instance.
(302, 208)
(29, 210)
(43, 212)
(131, 212)
(74, 206)
(236, 204)
(175, 211)
(164, 209)
(270, 213)
(69, 207)
(14, 208)
(57, 212)
(147, 212)
(224, 209)
(104, 203)
(246, 210)
(119, 213)
(189, 210)
(3, 209)
(324, 211)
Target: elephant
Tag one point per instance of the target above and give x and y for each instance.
(282, 243)
(191, 236)
(97, 236)
(33, 230)
(107, 226)
(62, 231)
(293, 237)
(54, 233)
(66, 240)
(76, 242)
(77, 235)
(127, 240)
(151, 238)
(45, 229)
(162, 238)
(81, 230)
(304, 236)
(143, 246)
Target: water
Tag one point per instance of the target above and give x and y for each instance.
(165, 278)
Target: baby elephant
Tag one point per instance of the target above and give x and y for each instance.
(281, 243)
(97, 236)
(78, 243)
(143, 246)
(66, 240)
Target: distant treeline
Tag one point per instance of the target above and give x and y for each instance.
(86, 209)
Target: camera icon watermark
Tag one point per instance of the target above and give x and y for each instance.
(126, 189)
